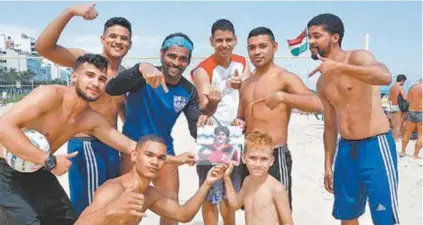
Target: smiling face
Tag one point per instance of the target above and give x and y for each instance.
(116, 41)
(223, 42)
(175, 60)
(261, 50)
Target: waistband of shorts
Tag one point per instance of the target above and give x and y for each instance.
(282, 148)
(414, 112)
(81, 139)
(366, 139)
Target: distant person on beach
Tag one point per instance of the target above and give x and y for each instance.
(156, 98)
(267, 98)
(366, 162)
(218, 79)
(414, 119)
(397, 94)
(264, 198)
(97, 162)
(124, 200)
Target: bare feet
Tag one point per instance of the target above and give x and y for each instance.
(417, 157)
(402, 154)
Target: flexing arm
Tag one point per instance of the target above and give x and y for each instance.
(33, 106)
(299, 96)
(202, 84)
(280, 197)
(364, 67)
(47, 45)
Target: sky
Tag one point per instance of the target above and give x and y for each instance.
(395, 28)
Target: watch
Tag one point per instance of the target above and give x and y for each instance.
(50, 163)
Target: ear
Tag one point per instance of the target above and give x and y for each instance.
(235, 40)
(335, 38)
(133, 156)
(243, 158)
(272, 160)
(102, 39)
(130, 45)
(211, 41)
(275, 47)
(162, 52)
(74, 77)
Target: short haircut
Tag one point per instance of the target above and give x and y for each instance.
(258, 140)
(149, 138)
(118, 21)
(223, 25)
(223, 129)
(97, 60)
(401, 77)
(261, 31)
(330, 23)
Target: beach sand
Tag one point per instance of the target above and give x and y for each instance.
(311, 203)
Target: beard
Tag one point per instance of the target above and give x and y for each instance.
(165, 69)
(83, 95)
(320, 51)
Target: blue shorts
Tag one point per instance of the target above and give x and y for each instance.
(94, 165)
(367, 169)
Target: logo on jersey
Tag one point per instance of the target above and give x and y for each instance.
(179, 103)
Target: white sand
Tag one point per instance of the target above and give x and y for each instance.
(312, 204)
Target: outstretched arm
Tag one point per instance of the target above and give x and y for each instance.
(47, 45)
(192, 113)
(236, 200)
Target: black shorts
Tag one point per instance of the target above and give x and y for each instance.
(34, 198)
(281, 169)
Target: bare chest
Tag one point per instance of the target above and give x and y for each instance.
(259, 204)
(341, 89)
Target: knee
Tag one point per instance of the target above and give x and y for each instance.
(225, 209)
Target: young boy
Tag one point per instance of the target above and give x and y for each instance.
(270, 198)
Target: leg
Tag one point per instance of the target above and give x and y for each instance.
(379, 173)
(349, 195)
(168, 185)
(14, 202)
(51, 201)
(83, 174)
(210, 213)
(418, 141)
(350, 222)
(227, 213)
(406, 137)
(396, 123)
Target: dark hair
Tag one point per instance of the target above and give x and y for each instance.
(223, 129)
(180, 34)
(223, 25)
(118, 21)
(97, 60)
(401, 77)
(261, 31)
(330, 23)
(150, 138)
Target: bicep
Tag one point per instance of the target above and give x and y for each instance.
(163, 206)
(282, 204)
(64, 56)
(102, 196)
(328, 109)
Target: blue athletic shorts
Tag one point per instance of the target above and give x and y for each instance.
(367, 169)
(94, 165)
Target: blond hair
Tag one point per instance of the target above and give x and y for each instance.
(258, 140)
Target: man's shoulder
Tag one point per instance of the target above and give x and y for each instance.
(52, 92)
(110, 189)
(187, 85)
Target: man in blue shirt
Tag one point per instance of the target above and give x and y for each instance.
(154, 108)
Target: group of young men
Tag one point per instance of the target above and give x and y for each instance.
(108, 187)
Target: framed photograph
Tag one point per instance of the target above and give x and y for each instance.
(217, 144)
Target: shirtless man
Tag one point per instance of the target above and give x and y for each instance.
(267, 98)
(96, 162)
(124, 200)
(217, 80)
(414, 119)
(366, 162)
(396, 92)
(264, 198)
(58, 112)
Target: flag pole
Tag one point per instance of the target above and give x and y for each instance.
(366, 41)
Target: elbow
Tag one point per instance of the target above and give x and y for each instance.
(110, 89)
(387, 79)
(185, 218)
